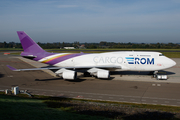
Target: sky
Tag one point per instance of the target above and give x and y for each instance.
(136, 21)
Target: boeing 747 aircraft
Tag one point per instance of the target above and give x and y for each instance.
(66, 65)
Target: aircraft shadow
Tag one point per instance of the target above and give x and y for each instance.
(1, 75)
(129, 73)
(48, 79)
(166, 72)
(52, 79)
(111, 78)
(140, 73)
(77, 80)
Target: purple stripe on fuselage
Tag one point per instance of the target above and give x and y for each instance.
(42, 55)
(55, 61)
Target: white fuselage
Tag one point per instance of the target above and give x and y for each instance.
(131, 61)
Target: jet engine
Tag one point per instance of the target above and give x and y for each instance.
(100, 73)
(67, 74)
(71, 75)
(103, 74)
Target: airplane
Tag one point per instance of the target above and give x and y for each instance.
(66, 65)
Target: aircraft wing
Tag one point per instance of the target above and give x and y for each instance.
(73, 67)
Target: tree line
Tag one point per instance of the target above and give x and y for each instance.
(101, 45)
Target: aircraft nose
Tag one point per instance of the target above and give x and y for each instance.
(172, 63)
(167, 63)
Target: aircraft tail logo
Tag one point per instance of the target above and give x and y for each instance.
(29, 46)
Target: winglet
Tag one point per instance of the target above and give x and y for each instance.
(13, 69)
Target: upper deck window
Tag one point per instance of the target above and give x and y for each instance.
(161, 55)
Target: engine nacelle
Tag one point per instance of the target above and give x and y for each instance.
(70, 75)
(66, 74)
(103, 74)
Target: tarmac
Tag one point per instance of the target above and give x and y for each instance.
(133, 87)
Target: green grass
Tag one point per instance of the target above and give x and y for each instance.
(172, 54)
(11, 49)
(44, 107)
(134, 105)
(167, 54)
(120, 49)
(18, 108)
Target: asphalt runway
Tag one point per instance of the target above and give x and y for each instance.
(131, 87)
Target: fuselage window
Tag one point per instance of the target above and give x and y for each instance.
(161, 55)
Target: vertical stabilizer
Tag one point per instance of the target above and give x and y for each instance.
(29, 46)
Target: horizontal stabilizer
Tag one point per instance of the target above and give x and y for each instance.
(13, 69)
(29, 56)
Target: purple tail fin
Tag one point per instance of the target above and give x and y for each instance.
(29, 46)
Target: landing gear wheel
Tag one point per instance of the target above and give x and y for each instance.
(86, 74)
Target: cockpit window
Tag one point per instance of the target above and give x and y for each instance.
(161, 55)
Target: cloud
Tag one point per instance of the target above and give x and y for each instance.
(67, 6)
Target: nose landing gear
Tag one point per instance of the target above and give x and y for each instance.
(159, 75)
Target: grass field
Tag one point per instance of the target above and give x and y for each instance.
(122, 49)
(44, 107)
(167, 54)
(18, 108)
(164, 51)
(172, 54)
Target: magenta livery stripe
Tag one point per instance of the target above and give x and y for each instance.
(63, 58)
